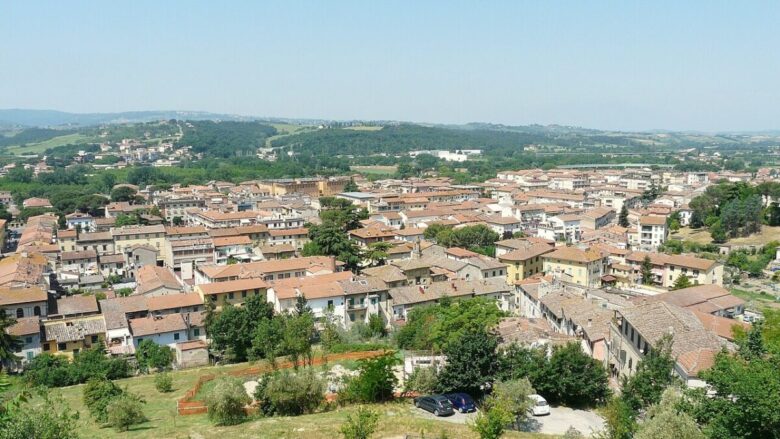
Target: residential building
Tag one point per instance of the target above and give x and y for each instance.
(234, 292)
(666, 269)
(651, 232)
(636, 330)
(129, 236)
(577, 266)
(526, 262)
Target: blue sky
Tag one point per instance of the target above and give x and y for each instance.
(691, 65)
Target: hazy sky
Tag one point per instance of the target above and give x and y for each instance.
(699, 65)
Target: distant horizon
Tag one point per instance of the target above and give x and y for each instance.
(692, 66)
(414, 122)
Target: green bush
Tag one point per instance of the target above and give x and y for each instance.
(124, 411)
(49, 370)
(151, 356)
(375, 382)
(361, 425)
(56, 371)
(290, 394)
(422, 380)
(97, 395)
(163, 382)
(226, 401)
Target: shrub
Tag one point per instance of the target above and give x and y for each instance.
(163, 382)
(49, 419)
(226, 401)
(361, 425)
(49, 370)
(422, 379)
(374, 383)
(376, 326)
(124, 411)
(573, 378)
(290, 394)
(93, 363)
(97, 395)
(151, 355)
(56, 371)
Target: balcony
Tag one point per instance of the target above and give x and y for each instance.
(356, 306)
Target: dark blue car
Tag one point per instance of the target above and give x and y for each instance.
(462, 402)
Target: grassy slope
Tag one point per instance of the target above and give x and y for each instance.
(285, 129)
(753, 295)
(396, 418)
(51, 143)
(702, 236)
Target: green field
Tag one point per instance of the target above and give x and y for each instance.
(286, 129)
(54, 142)
(396, 418)
(364, 128)
(378, 170)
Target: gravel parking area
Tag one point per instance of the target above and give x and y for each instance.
(558, 422)
(457, 418)
(560, 419)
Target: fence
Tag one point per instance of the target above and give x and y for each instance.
(188, 405)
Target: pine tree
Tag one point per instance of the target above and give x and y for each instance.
(682, 282)
(623, 218)
(647, 271)
(351, 186)
(8, 343)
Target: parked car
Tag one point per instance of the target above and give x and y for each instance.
(436, 404)
(540, 406)
(461, 402)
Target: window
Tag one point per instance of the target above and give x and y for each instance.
(94, 339)
(243, 294)
(230, 296)
(19, 313)
(351, 317)
(46, 346)
(61, 346)
(196, 332)
(37, 310)
(28, 340)
(330, 304)
(176, 336)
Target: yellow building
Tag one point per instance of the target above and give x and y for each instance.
(526, 262)
(234, 292)
(576, 266)
(69, 336)
(315, 187)
(126, 238)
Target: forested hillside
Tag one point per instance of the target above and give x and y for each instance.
(225, 139)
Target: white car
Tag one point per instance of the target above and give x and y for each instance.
(540, 406)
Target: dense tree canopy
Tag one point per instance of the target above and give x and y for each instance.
(434, 327)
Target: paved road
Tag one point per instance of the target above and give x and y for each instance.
(559, 420)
